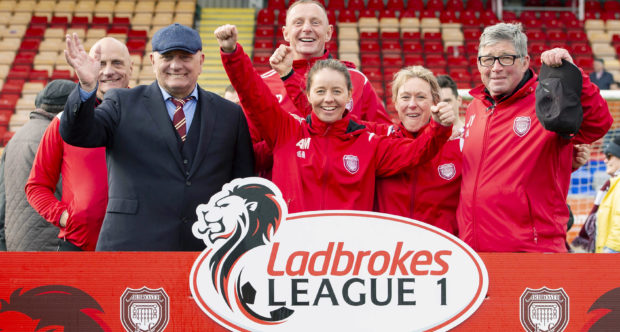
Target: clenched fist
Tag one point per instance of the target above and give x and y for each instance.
(227, 37)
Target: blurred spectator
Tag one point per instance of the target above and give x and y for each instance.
(24, 228)
(450, 94)
(80, 211)
(231, 94)
(516, 173)
(608, 215)
(602, 78)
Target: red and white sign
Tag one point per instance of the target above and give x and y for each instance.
(264, 270)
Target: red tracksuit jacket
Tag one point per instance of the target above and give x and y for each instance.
(320, 166)
(516, 174)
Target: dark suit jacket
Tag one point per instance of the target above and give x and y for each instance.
(152, 195)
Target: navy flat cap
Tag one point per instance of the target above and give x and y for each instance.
(176, 37)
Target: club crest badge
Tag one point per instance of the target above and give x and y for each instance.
(522, 125)
(447, 171)
(544, 310)
(145, 309)
(351, 163)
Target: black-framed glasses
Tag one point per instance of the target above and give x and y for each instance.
(504, 60)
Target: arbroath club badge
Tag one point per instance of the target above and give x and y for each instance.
(145, 309)
(447, 171)
(544, 309)
(522, 125)
(351, 163)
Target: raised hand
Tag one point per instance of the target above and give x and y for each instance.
(86, 67)
(581, 154)
(282, 60)
(443, 114)
(227, 37)
(553, 57)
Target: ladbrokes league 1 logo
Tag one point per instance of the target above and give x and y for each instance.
(265, 270)
(544, 310)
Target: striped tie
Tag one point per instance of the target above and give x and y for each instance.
(178, 119)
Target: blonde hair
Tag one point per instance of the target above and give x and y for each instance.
(420, 72)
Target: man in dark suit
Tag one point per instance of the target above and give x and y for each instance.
(170, 145)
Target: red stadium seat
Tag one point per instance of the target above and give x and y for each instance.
(347, 16)
(8, 102)
(471, 48)
(390, 46)
(375, 5)
(264, 44)
(428, 13)
(390, 34)
(38, 75)
(576, 36)
(392, 60)
(582, 48)
(369, 46)
(415, 5)
(548, 15)
(611, 6)
(261, 57)
(266, 16)
(19, 72)
(368, 34)
(100, 22)
(433, 47)
(120, 21)
(605, 15)
(30, 45)
(388, 13)
(368, 13)
(448, 16)
(461, 76)
(411, 36)
(414, 59)
(336, 4)
(412, 46)
(476, 5)
(79, 22)
(264, 31)
(455, 50)
(59, 22)
(136, 46)
(370, 59)
(357, 5)
(396, 5)
(24, 58)
(137, 34)
(508, 16)
(535, 35)
(431, 36)
(373, 73)
(471, 33)
(282, 18)
(34, 33)
(468, 18)
(455, 5)
(585, 62)
(458, 61)
(118, 30)
(38, 21)
(537, 47)
(593, 6)
(488, 18)
(276, 4)
(332, 18)
(13, 86)
(61, 74)
(434, 5)
(556, 35)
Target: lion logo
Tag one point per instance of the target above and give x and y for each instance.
(241, 217)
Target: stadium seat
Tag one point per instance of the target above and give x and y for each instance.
(276, 4)
(376, 5)
(412, 47)
(38, 21)
(415, 5)
(390, 46)
(412, 59)
(356, 5)
(369, 46)
(371, 59)
(458, 61)
(369, 34)
(24, 58)
(398, 5)
(389, 34)
(265, 16)
(336, 4)
(411, 35)
(433, 47)
(477, 5)
(455, 6)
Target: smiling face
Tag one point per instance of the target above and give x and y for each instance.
(613, 164)
(328, 94)
(413, 104)
(307, 30)
(116, 65)
(177, 71)
(499, 79)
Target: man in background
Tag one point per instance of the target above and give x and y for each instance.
(24, 228)
(602, 78)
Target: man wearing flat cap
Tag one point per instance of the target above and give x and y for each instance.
(170, 145)
(516, 168)
(24, 228)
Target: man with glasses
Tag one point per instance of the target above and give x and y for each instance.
(515, 173)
